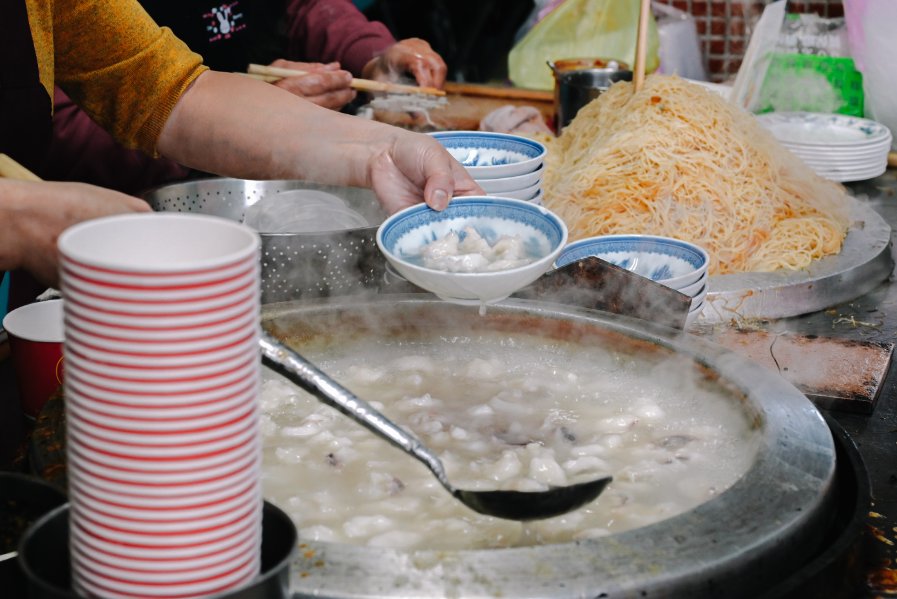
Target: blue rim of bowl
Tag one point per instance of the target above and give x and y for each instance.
(530, 147)
(689, 252)
(421, 214)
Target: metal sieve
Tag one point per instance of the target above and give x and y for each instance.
(294, 265)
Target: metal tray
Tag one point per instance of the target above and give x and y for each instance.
(864, 262)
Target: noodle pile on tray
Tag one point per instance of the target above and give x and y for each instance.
(678, 160)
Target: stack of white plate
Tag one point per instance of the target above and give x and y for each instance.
(506, 166)
(838, 147)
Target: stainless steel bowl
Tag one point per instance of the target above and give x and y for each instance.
(294, 265)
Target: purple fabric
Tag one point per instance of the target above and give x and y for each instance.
(334, 30)
(82, 151)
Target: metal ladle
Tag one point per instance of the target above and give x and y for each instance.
(512, 505)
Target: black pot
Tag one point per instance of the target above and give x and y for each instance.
(835, 568)
(23, 500)
(44, 557)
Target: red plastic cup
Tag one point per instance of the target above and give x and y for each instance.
(36, 335)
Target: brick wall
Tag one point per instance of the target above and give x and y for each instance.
(724, 27)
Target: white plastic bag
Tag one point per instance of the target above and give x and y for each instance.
(680, 52)
(870, 33)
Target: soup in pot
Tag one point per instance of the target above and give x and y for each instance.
(502, 412)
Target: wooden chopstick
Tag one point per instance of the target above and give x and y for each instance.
(11, 169)
(367, 85)
(641, 44)
(491, 91)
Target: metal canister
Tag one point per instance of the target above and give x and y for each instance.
(578, 81)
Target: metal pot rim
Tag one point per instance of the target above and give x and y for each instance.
(760, 524)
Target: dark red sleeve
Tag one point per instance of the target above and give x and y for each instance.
(334, 30)
(82, 151)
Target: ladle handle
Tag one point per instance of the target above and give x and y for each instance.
(291, 364)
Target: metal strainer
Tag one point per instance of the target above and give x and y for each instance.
(294, 265)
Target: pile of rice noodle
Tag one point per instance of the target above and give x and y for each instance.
(680, 161)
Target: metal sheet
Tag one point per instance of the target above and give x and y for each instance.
(837, 374)
(864, 262)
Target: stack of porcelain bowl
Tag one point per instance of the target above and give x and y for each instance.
(508, 166)
(162, 378)
(838, 147)
(675, 263)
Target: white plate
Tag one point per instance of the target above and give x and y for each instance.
(872, 152)
(819, 129)
(842, 177)
(845, 160)
(858, 165)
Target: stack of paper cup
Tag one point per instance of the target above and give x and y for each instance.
(162, 378)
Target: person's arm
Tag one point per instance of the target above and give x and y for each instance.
(229, 124)
(36, 213)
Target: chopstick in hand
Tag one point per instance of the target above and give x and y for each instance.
(272, 74)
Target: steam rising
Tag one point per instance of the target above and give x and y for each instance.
(503, 410)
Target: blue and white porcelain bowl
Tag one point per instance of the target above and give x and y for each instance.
(695, 288)
(527, 193)
(495, 186)
(542, 233)
(671, 262)
(488, 155)
(697, 305)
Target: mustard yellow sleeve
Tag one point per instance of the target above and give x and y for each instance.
(120, 67)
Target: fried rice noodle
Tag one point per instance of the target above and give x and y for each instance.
(678, 160)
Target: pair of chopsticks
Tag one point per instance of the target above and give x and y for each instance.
(271, 74)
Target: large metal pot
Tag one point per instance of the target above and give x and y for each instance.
(742, 541)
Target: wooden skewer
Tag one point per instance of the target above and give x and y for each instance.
(488, 91)
(11, 169)
(641, 44)
(367, 85)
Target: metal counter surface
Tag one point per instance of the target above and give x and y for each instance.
(871, 317)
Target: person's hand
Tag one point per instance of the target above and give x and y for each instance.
(37, 213)
(413, 56)
(325, 84)
(412, 166)
(516, 120)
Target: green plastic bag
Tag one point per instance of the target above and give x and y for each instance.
(580, 29)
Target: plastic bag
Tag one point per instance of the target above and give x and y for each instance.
(811, 69)
(680, 51)
(580, 29)
(870, 33)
